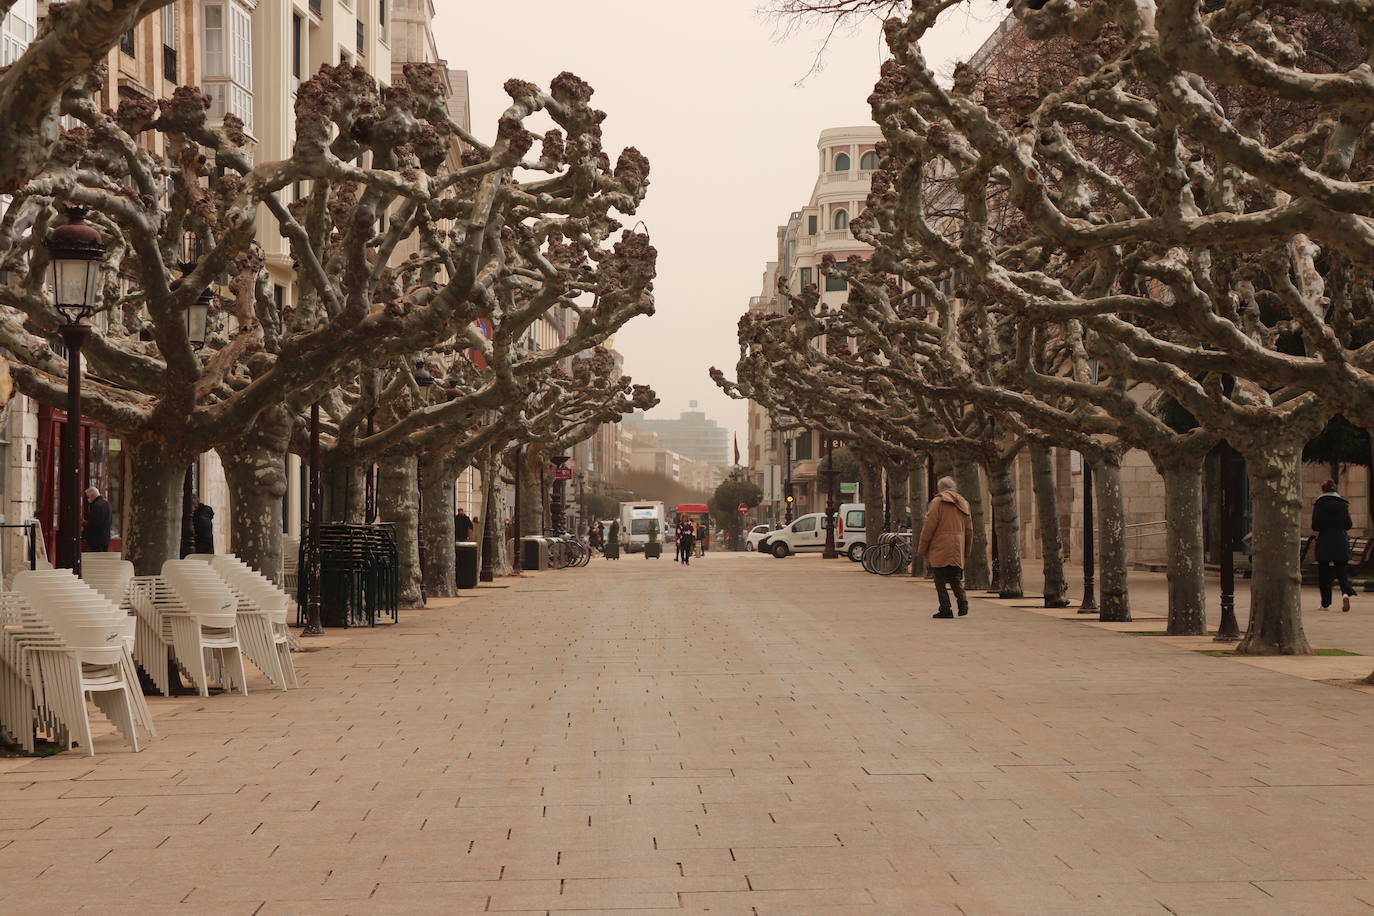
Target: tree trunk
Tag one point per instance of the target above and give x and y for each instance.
(871, 479)
(896, 496)
(396, 503)
(970, 485)
(1183, 541)
(152, 530)
(255, 470)
(494, 513)
(1051, 535)
(531, 520)
(1114, 597)
(917, 497)
(1276, 577)
(1007, 529)
(441, 562)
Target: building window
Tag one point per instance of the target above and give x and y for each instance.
(229, 60)
(362, 39)
(811, 224)
(17, 29)
(297, 32)
(841, 162)
(841, 219)
(169, 42)
(805, 277)
(383, 31)
(835, 284)
(801, 447)
(868, 161)
(126, 43)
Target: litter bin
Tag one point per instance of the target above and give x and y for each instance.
(535, 553)
(466, 553)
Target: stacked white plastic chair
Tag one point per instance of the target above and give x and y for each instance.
(290, 563)
(110, 574)
(262, 617)
(72, 643)
(190, 608)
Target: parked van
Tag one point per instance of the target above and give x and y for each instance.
(805, 535)
(637, 521)
(849, 530)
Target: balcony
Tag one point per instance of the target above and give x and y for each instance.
(228, 97)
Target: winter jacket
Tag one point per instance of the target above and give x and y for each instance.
(462, 527)
(947, 536)
(98, 523)
(1331, 521)
(203, 523)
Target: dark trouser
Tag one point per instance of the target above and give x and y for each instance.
(1327, 574)
(684, 549)
(950, 577)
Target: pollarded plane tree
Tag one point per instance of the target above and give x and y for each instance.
(1210, 280)
(477, 224)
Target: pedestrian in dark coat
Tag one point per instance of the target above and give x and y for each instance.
(946, 542)
(99, 520)
(203, 525)
(462, 526)
(1331, 521)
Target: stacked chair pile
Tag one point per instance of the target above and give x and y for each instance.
(262, 609)
(62, 641)
(189, 609)
(359, 575)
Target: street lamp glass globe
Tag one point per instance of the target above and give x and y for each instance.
(75, 252)
(198, 318)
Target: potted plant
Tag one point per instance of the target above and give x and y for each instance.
(613, 542)
(653, 549)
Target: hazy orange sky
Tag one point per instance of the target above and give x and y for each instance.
(723, 107)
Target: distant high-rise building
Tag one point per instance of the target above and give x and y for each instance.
(692, 434)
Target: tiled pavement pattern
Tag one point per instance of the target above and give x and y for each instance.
(743, 737)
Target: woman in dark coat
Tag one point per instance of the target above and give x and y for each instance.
(203, 524)
(1331, 521)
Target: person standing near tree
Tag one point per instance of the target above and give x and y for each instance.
(99, 520)
(1331, 521)
(946, 543)
(462, 526)
(203, 525)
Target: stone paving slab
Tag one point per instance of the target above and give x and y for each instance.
(742, 736)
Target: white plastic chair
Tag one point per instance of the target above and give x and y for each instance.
(262, 614)
(204, 626)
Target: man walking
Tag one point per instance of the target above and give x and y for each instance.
(462, 526)
(99, 519)
(946, 542)
(1331, 521)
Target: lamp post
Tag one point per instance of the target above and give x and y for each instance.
(313, 625)
(197, 322)
(831, 507)
(1089, 605)
(519, 561)
(76, 252)
(787, 481)
(1228, 628)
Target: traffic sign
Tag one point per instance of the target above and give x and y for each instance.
(562, 473)
(743, 509)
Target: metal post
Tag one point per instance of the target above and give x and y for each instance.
(787, 482)
(488, 572)
(69, 546)
(1228, 628)
(558, 501)
(370, 486)
(831, 508)
(188, 525)
(1089, 605)
(313, 625)
(519, 561)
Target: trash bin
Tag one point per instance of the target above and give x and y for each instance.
(466, 553)
(535, 553)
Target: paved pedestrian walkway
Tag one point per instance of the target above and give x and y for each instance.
(743, 737)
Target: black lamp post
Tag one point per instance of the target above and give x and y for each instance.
(197, 322)
(559, 507)
(1228, 628)
(76, 252)
(313, 622)
(831, 506)
(1089, 605)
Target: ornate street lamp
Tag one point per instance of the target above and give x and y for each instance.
(832, 507)
(314, 621)
(76, 254)
(560, 491)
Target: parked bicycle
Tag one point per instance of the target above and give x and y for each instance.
(891, 554)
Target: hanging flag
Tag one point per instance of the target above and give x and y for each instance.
(736, 448)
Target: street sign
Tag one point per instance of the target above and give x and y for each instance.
(849, 488)
(743, 509)
(562, 473)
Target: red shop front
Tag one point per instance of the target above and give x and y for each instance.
(102, 466)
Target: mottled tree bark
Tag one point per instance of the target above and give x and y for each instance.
(871, 479)
(1112, 578)
(1183, 537)
(1276, 577)
(255, 470)
(917, 497)
(531, 520)
(1051, 536)
(494, 514)
(152, 529)
(1007, 528)
(970, 484)
(441, 563)
(397, 503)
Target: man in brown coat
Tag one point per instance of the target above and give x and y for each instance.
(946, 541)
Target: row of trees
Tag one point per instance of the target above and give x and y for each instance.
(1134, 225)
(425, 258)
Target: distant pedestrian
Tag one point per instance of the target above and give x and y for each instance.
(594, 537)
(203, 525)
(1331, 521)
(699, 537)
(946, 543)
(462, 526)
(684, 542)
(99, 520)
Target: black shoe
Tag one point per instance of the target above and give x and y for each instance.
(963, 612)
(942, 615)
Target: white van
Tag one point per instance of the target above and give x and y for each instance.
(805, 535)
(849, 530)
